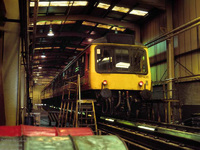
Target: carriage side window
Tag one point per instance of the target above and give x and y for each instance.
(82, 65)
(77, 69)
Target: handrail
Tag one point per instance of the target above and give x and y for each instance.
(177, 30)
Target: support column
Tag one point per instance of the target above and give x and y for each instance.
(170, 56)
(10, 69)
(2, 108)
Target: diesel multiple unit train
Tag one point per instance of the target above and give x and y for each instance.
(113, 70)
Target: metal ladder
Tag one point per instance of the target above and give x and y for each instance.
(65, 118)
(82, 111)
(85, 114)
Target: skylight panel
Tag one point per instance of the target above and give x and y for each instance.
(40, 4)
(103, 5)
(40, 23)
(138, 12)
(104, 26)
(54, 22)
(59, 3)
(89, 23)
(80, 3)
(119, 29)
(121, 9)
(69, 22)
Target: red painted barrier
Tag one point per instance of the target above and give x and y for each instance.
(38, 131)
(74, 131)
(43, 131)
(10, 130)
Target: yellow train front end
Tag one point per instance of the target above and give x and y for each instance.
(119, 72)
(120, 75)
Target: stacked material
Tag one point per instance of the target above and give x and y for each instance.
(43, 138)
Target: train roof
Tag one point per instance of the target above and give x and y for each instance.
(116, 38)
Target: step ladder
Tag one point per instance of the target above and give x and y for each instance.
(75, 112)
(85, 114)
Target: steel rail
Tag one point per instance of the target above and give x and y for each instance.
(148, 139)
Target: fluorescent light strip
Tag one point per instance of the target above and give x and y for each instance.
(147, 128)
(120, 9)
(39, 48)
(108, 119)
(138, 12)
(59, 3)
(103, 5)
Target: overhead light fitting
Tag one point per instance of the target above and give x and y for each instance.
(147, 128)
(121, 9)
(43, 56)
(90, 40)
(103, 5)
(138, 12)
(50, 31)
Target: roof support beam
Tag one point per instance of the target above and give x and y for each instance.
(130, 26)
(71, 34)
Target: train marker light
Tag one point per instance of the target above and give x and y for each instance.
(140, 83)
(104, 82)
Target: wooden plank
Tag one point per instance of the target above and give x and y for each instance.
(198, 28)
(195, 63)
(175, 14)
(187, 19)
(193, 32)
(181, 21)
(198, 55)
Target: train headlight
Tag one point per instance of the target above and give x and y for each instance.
(104, 82)
(140, 83)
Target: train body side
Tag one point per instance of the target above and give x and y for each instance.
(91, 79)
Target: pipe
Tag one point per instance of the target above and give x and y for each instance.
(160, 39)
(127, 101)
(119, 101)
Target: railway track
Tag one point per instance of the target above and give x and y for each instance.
(140, 135)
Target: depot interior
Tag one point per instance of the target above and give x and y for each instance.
(39, 38)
